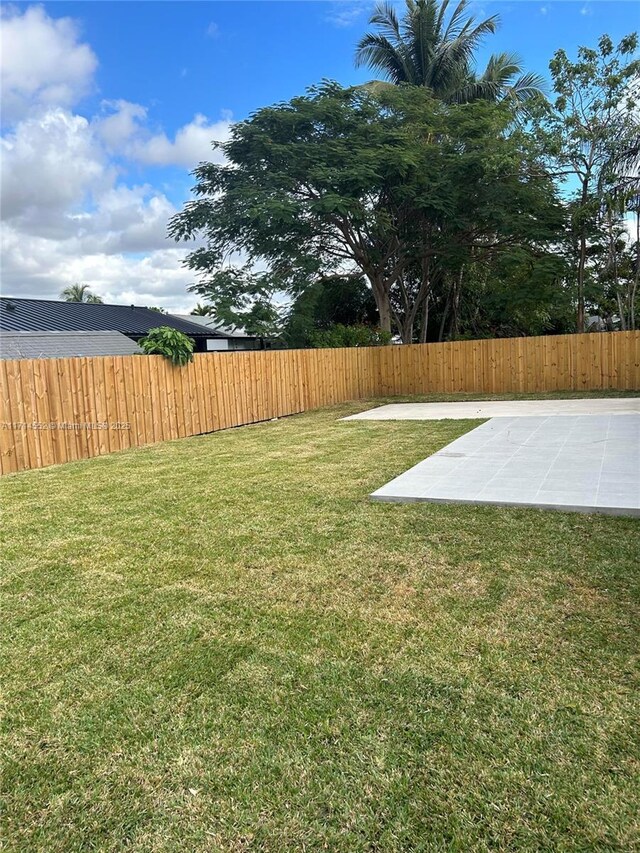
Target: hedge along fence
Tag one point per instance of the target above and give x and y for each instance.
(59, 410)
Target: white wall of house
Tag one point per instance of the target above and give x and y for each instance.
(217, 344)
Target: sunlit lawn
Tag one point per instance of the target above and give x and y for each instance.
(221, 644)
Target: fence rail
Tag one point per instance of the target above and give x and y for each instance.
(59, 410)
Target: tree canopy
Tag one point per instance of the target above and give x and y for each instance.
(593, 138)
(463, 212)
(391, 184)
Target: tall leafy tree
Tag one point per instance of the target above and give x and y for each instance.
(434, 47)
(593, 132)
(79, 293)
(392, 185)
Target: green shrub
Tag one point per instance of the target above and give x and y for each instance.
(349, 336)
(172, 344)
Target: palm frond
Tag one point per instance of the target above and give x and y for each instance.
(442, 14)
(377, 52)
(456, 21)
(386, 19)
(625, 166)
(473, 90)
(497, 82)
(501, 67)
(454, 58)
(527, 86)
(419, 31)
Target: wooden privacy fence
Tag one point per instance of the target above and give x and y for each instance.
(58, 410)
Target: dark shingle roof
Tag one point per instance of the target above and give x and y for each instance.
(64, 344)
(38, 315)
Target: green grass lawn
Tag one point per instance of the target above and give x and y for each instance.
(220, 644)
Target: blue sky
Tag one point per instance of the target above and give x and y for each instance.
(118, 100)
(187, 57)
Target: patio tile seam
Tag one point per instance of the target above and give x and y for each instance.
(603, 456)
(555, 459)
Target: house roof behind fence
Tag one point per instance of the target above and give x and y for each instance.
(40, 315)
(64, 344)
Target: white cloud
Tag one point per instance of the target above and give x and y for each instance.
(345, 13)
(42, 62)
(69, 211)
(191, 144)
(125, 131)
(132, 220)
(49, 165)
(62, 201)
(123, 123)
(42, 268)
(68, 216)
(213, 30)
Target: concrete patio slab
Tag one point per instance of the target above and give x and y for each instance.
(499, 409)
(582, 463)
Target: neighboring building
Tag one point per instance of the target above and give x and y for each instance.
(44, 315)
(64, 344)
(229, 339)
(596, 323)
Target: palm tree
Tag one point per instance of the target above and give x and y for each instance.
(202, 310)
(79, 293)
(424, 49)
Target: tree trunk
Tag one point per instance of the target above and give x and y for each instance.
(445, 312)
(382, 303)
(581, 267)
(612, 249)
(384, 309)
(456, 289)
(406, 333)
(425, 321)
(636, 280)
(582, 258)
(425, 284)
(621, 311)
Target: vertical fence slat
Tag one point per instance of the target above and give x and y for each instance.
(10, 446)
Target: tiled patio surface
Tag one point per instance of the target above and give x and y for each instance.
(499, 409)
(585, 463)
